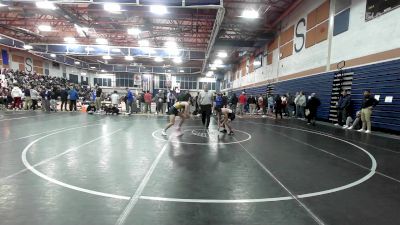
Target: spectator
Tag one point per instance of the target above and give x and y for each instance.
(53, 99)
(147, 101)
(99, 96)
(159, 99)
(35, 98)
(73, 97)
(130, 102)
(271, 104)
(343, 106)
(64, 98)
(300, 105)
(115, 100)
(242, 103)
(354, 124)
(28, 99)
(290, 105)
(46, 95)
(278, 106)
(312, 105)
(233, 103)
(16, 94)
(284, 105)
(368, 103)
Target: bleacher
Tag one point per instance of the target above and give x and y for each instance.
(381, 78)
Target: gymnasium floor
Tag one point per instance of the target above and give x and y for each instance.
(73, 168)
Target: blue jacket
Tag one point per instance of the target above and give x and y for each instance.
(73, 94)
(344, 102)
(130, 96)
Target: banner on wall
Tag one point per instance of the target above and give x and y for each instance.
(4, 56)
(137, 79)
(28, 65)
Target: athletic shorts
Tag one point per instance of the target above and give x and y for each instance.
(231, 116)
(173, 111)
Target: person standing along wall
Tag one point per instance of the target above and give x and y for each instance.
(312, 105)
(343, 108)
(301, 104)
(368, 103)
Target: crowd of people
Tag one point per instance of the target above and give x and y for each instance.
(20, 90)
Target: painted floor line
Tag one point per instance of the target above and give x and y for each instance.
(306, 195)
(134, 199)
(372, 169)
(52, 180)
(32, 135)
(358, 142)
(24, 170)
(305, 207)
(20, 118)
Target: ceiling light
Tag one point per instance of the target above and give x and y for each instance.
(158, 9)
(158, 59)
(171, 45)
(101, 41)
(181, 71)
(218, 62)
(128, 58)
(115, 50)
(45, 5)
(134, 31)
(209, 73)
(92, 67)
(222, 54)
(144, 43)
(213, 67)
(69, 39)
(45, 28)
(77, 63)
(250, 14)
(177, 60)
(28, 47)
(103, 71)
(112, 7)
(52, 55)
(83, 74)
(106, 57)
(2, 5)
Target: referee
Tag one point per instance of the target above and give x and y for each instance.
(205, 102)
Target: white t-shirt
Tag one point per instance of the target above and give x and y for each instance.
(205, 98)
(115, 99)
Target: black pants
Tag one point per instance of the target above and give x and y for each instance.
(205, 114)
(63, 103)
(72, 105)
(311, 117)
(34, 104)
(278, 111)
(342, 116)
